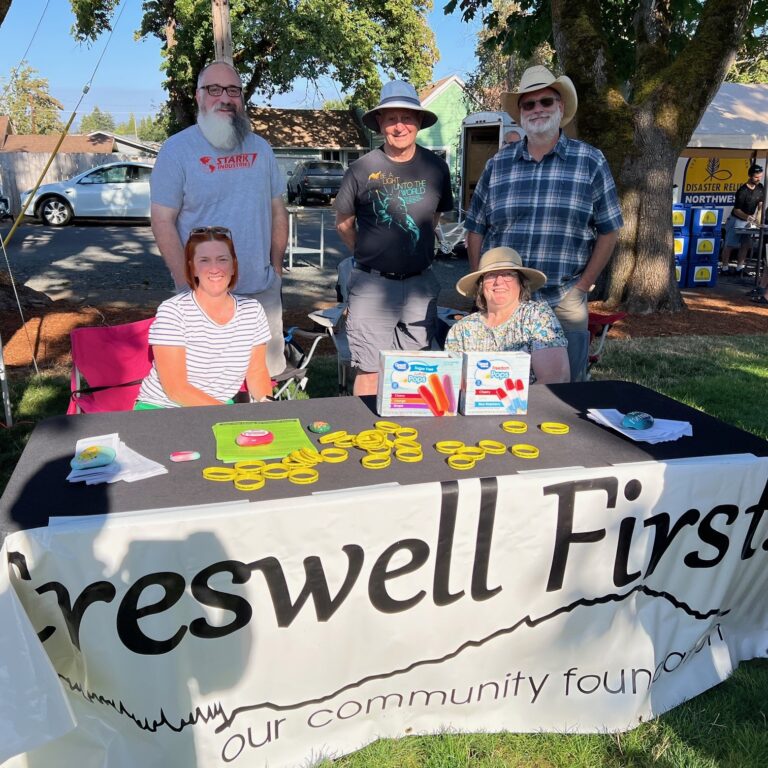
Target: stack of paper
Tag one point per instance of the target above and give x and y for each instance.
(128, 464)
(662, 430)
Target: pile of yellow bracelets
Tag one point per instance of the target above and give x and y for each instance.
(379, 444)
(252, 475)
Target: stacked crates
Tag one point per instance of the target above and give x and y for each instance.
(704, 249)
(681, 226)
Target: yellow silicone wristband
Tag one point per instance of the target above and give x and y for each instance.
(376, 462)
(403, 442)
(248, 483)
(515, 427)
(311, 454)
(472, 451)
(275, 471)
(348, 441)
(448, 446)
(301, 458)
(409, 455)
(334, 455)
(492, 446)
(380, 450)
(407, 433)
(331, 437)
(242, 474)
(387, 426)
(554, 428)
(525, 451)
(457, 461)
(252, 465)
(219, 474)
(304, 476)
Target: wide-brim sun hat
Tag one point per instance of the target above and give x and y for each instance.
(397, 94)
(536, 78)
(501, 259)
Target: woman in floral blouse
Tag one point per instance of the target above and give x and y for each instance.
(509, 320)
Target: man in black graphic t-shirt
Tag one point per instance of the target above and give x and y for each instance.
(386, 212)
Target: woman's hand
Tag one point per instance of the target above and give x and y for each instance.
(257, 377)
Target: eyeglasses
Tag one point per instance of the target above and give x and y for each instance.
(216, 90)
(507, 277)
(545, 101)
(223, 231)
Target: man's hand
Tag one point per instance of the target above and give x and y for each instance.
(345, 226)
(474, 244)
(167, 239)
(279, 235)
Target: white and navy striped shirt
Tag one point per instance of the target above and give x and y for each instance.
(217, 355)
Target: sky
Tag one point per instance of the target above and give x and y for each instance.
(128, 79)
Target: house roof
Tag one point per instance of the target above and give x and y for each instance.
(150, 147)
(17, 143)
(737, 118)
(431, 91)
(307, 128)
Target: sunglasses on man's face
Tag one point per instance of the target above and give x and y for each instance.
(211, 231)
(216, 90)
(545, 101)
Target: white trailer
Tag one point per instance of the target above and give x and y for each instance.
(482, 135)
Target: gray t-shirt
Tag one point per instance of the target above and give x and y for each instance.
(213, 187)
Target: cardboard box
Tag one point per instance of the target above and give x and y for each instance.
(495, 383)
(418, 384)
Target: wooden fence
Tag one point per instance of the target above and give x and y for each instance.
(19, 171)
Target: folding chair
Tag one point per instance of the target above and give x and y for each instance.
(113, 360)
(333, 321)
(294, 378)
(598, 326)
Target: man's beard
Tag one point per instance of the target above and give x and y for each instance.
(542, 130)
(224, 131)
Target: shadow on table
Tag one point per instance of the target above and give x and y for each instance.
(105, 582)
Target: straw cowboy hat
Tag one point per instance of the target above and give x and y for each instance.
(501, 259)
(536, 78)
(397, 94)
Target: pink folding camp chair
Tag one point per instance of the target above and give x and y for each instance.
(113, 360)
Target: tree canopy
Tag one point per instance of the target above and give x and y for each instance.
(97, 120)
(25, 98)
(645, 72)
(276, 43)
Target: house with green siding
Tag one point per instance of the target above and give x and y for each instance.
(448, 100)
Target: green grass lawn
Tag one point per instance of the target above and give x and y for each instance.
(726, 727)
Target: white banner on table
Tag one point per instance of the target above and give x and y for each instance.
(576, 600)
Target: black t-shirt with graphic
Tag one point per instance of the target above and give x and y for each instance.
(394, 206)
(747, 199)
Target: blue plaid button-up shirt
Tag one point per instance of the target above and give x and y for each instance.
(551, 212)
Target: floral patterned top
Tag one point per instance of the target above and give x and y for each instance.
(533, 326)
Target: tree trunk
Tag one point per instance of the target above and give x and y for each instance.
(643, 138)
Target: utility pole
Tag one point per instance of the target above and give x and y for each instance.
(222, 32)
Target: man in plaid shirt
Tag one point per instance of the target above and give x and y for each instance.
(553, 200)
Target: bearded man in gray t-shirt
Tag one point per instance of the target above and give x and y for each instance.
(219, 173)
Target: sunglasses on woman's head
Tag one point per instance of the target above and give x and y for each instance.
(211, 231)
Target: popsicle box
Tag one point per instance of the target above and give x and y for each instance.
(494, 383)
(418, 383)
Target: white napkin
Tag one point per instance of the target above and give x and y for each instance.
(128, 464)
(662, 431)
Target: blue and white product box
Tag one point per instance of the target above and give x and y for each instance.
(418, 384)
(495, 383)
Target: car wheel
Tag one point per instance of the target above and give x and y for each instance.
(291, 195)
(55, 211)
(302, 196)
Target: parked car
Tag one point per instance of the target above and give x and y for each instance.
(115, 190)
(314, 178)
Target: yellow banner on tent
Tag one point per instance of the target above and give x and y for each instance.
(713, 180)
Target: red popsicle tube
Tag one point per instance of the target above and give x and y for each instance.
(429, 399)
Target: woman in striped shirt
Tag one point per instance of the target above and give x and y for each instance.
(206, 341)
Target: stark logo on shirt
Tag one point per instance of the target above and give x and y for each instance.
(229, 162)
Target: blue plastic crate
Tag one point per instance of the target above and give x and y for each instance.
(681, 218)
(706, 219)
